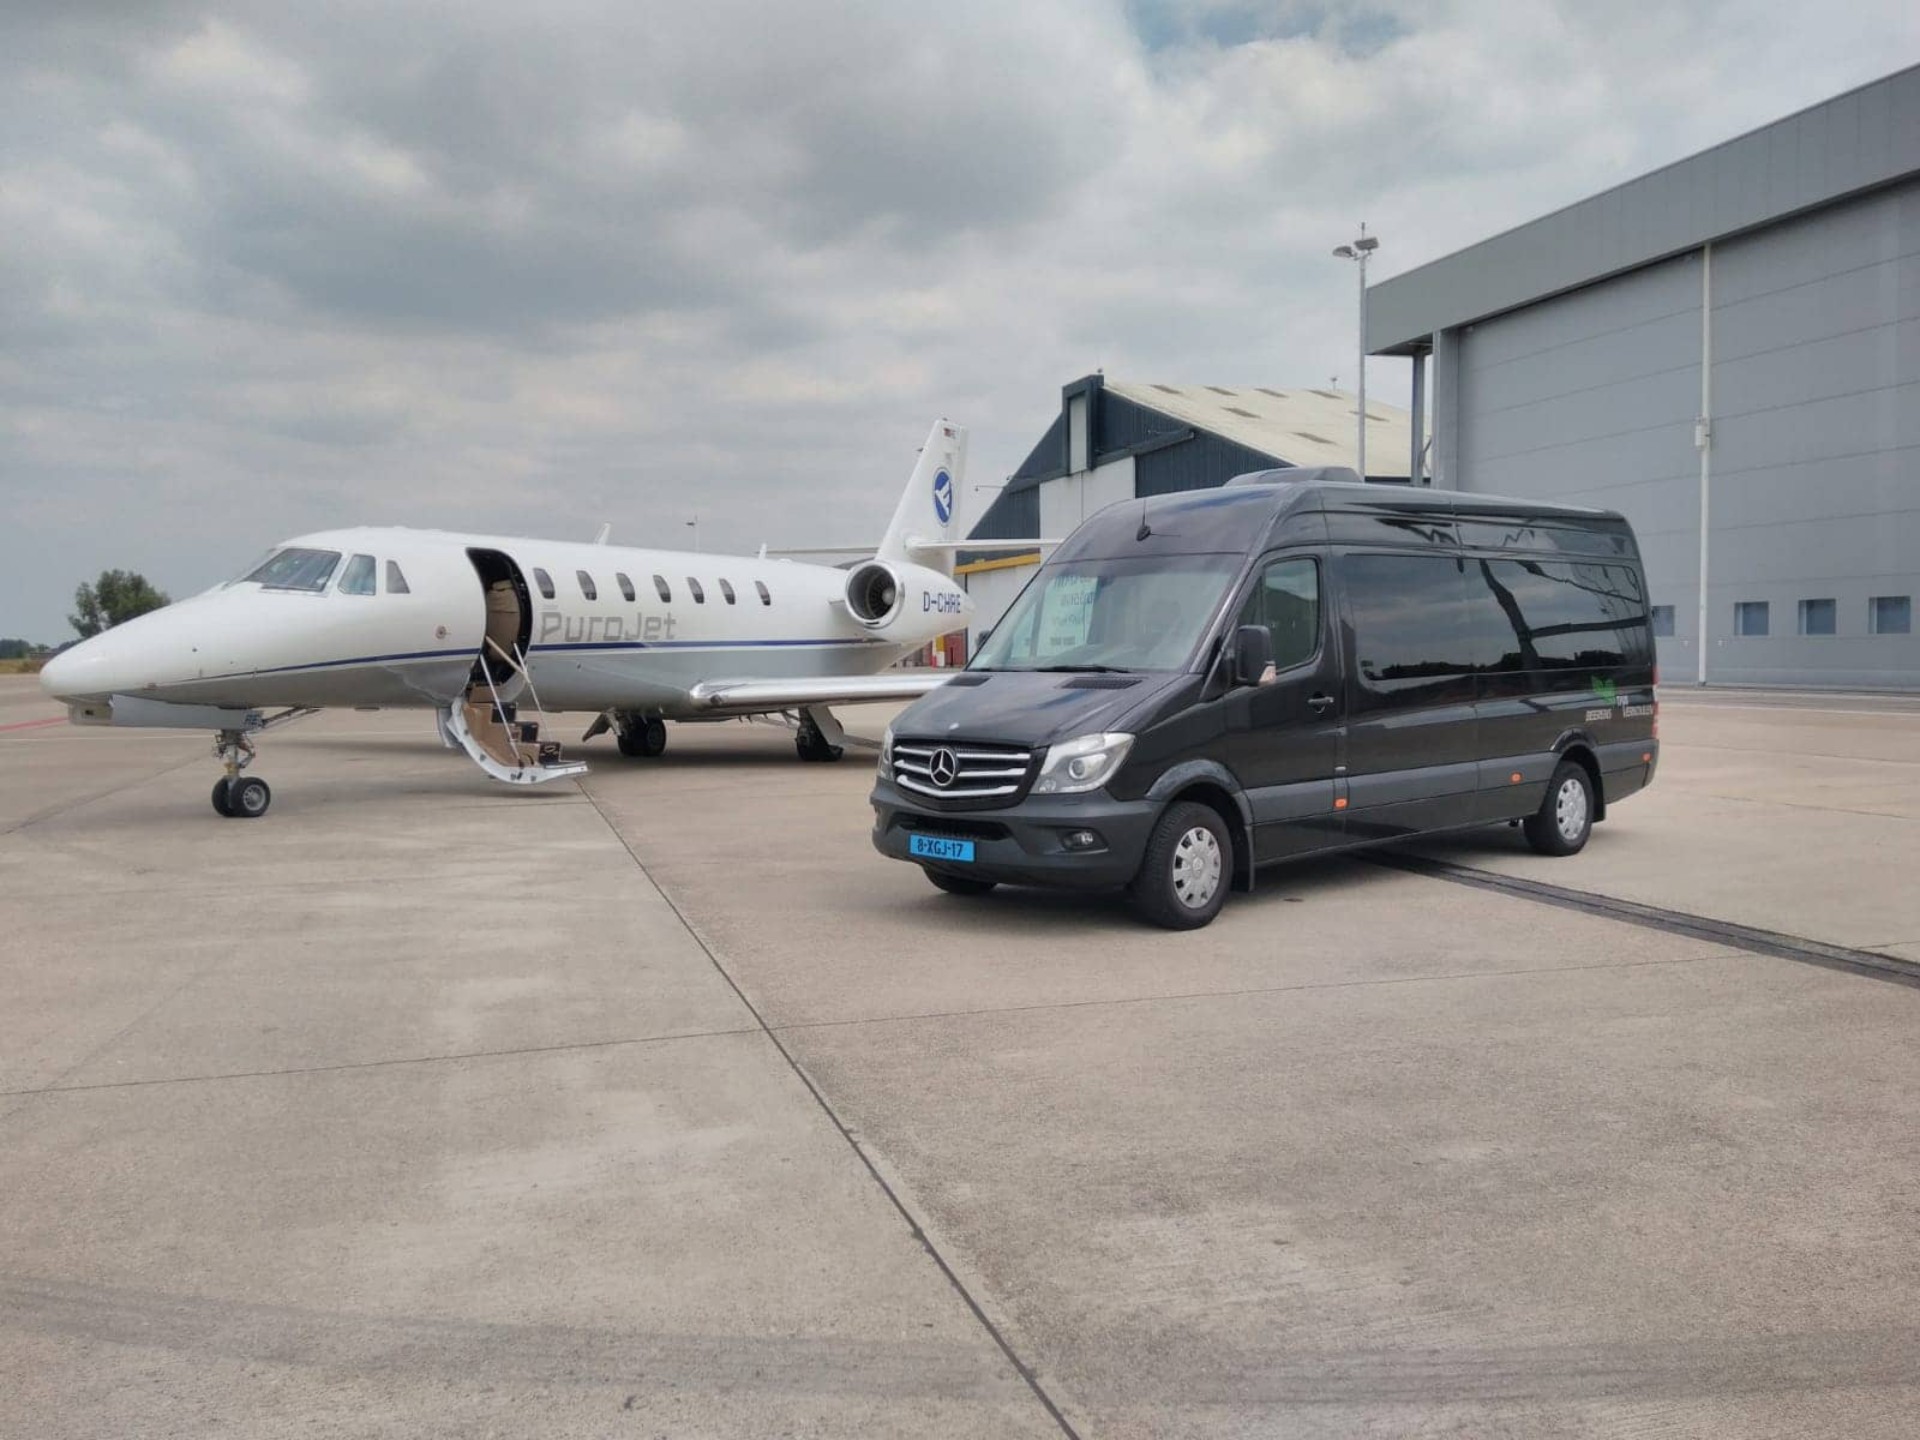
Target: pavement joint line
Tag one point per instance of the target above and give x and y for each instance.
(518, 1050)
(1795, 754)
(64, 806)
(1439, 977)
(914, 1227)
(1798, 805)
(1772, 943)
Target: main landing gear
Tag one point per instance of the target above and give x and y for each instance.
(819, 735)
(641, 737)
(237, 796)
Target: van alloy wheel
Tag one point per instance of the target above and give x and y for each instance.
(1196, 867)
(1565, 818)
(1182, 880)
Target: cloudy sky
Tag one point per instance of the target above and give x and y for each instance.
(266, 268)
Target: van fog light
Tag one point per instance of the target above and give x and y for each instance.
(1082, 840)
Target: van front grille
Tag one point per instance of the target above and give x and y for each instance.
(962, 774)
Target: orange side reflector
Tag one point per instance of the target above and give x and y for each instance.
(1341, 803)
(1648, 757)
(1515, 777)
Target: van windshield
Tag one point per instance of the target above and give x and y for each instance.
(1145, 614)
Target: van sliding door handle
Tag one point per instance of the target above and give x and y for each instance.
(1319, 704)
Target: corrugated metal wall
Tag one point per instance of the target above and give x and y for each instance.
(1816, 441)
(1591, 398)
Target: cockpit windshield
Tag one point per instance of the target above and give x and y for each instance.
(1135, 614)
(296, 569)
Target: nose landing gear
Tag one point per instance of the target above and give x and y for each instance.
(237, 796)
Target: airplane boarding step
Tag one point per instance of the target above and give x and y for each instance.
(507, 757)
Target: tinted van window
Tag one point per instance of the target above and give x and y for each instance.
(1286, 599)
(1414, 618)
(1566, 615)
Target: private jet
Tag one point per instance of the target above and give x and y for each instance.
(479, 628)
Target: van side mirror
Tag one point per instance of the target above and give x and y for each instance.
(1252, 654)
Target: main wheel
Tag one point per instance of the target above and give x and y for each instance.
(1184, 877)
(221, 788)
(249, 798)
(642, 738)
(957, 884)
(810, 744)
(1565, 818)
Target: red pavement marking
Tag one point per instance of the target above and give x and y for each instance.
(34, 724)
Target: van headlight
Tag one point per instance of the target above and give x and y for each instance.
(1087, 763)
(886, 754)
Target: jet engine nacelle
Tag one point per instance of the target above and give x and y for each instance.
(908, 600)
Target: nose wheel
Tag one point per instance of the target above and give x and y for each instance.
(237, 796)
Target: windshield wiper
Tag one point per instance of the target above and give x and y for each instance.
(1081, 670)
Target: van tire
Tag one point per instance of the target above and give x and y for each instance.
(957, 884)
(1187, 869)
(1565, 818)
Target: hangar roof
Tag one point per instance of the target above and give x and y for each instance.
(1302, 427)
(1859, 141)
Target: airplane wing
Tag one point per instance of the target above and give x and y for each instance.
(746, 695)
(918, 544)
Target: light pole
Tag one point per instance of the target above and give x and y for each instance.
(1359, 250)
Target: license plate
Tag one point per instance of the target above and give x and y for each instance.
(938, 847)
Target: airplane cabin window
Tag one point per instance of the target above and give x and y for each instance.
(727, 590)
(766, 597)
(666, 594)
(396, 582)
(544, 581)
(693, 589)
(626, 586)
(587, 587)
(296, 570)
(357, 578)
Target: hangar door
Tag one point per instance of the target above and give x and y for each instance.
(1816, 426)
(1590, 399)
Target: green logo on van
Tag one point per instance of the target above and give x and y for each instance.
(1606, 690)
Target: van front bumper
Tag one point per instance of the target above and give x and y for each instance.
(1024, 844)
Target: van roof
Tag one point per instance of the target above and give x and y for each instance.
(1256, 514)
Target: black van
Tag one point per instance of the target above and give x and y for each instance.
(1198, 685)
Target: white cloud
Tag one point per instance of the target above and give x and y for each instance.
(482, 264)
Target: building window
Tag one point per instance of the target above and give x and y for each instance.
(626, 586)
(544, 581)
(1816, 617)
(693, 589)
(1750, 617)
(1890, 615)
(1663, 620)
(587, 587)
(765, 597)
(727, 590)
(396, 582)
(660, 585)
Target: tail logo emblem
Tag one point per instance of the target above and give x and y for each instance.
(944, 768)
(943, 496)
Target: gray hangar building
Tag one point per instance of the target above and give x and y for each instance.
(1727, 351)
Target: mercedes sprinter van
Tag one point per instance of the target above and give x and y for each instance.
(1197, 686)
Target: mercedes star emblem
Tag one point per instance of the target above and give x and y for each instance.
(944, 768)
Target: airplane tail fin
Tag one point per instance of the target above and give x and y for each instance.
(926, 524)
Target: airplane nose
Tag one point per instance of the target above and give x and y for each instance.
(77, 673)
(133, 656)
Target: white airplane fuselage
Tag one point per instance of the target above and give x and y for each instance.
(623, 629)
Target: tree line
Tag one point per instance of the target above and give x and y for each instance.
(115, 598)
